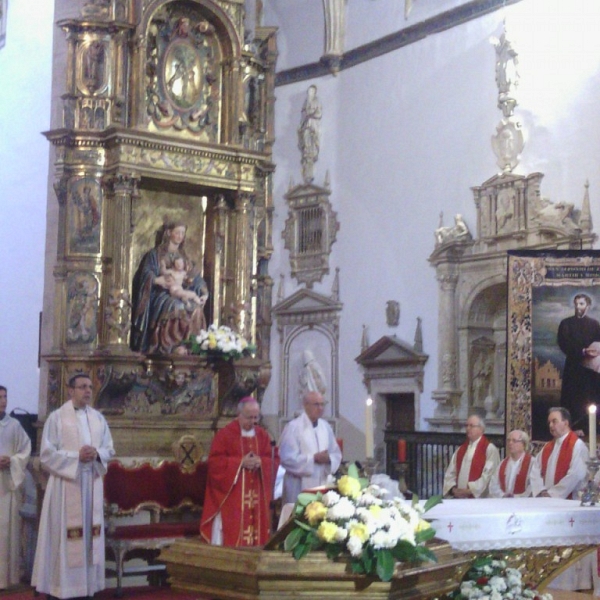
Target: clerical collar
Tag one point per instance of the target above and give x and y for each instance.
(248, 433)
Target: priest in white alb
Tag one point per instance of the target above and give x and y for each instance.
(471, 466)
(15, 448)
(308, 449)
(75, 450)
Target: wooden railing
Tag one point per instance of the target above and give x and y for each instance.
(428, 455)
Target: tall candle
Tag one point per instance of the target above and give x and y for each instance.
(401, 450)
(592, 436)
(340, 443)
(369, 428)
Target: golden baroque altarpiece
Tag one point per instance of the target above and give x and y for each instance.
(162, 174)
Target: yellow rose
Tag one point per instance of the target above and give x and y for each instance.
(327, 531)
(348, 486)
(423, 525)
(375, 510)
(360, 531)
(315, 512)
(212, 341)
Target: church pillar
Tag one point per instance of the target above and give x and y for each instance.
(447, 395)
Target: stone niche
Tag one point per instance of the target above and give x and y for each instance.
(167, 118)
(471, 272)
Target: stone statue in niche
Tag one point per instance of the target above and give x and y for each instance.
(161, 320)
(312, 377)
(481, 377)
(505, 210)
(459, 231)
(309, 133)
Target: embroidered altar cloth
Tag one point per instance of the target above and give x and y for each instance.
(493, 524)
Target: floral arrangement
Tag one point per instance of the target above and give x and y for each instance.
(353, 519)
(490, 579)
(220, 341)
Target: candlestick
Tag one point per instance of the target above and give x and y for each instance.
(340, 443)
(369, 429)
(592, 433)
(401, 450)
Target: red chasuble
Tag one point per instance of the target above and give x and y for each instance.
(242, 496)
(478, 461)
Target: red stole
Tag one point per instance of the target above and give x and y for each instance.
(479, 458)
(521, 480)
(565, 454)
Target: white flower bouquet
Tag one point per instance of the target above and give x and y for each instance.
(220, 341)
(354, 520)
(489, 578)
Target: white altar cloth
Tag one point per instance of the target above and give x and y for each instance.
(493, 524)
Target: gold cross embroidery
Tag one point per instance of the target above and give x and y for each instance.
(249, 536)
(250, 499)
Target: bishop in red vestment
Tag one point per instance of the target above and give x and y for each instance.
(240, 482)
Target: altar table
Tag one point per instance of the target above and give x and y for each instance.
(495, 524)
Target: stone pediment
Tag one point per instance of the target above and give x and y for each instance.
(390, 350)
(306, 302)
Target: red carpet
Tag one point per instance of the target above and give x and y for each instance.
(132, 593)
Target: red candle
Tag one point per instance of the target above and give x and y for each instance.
(401, 450)
(340, 443)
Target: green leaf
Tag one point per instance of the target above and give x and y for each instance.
(299, 509)
(357, 567)
(424, 553)
(385, 564)
(300, 551)
(313, 540)
(305, 498)
(404, 551)
(364, 482)
(367, 559)
(415, 500)
(333, 550)
(424, 534)
(303, 525)
(431, 502)
(293, 539)
(353, 471)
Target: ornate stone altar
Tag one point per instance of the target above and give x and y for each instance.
(166, 142)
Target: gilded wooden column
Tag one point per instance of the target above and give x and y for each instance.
(116, 302)
(244, 267)
(221, 252)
